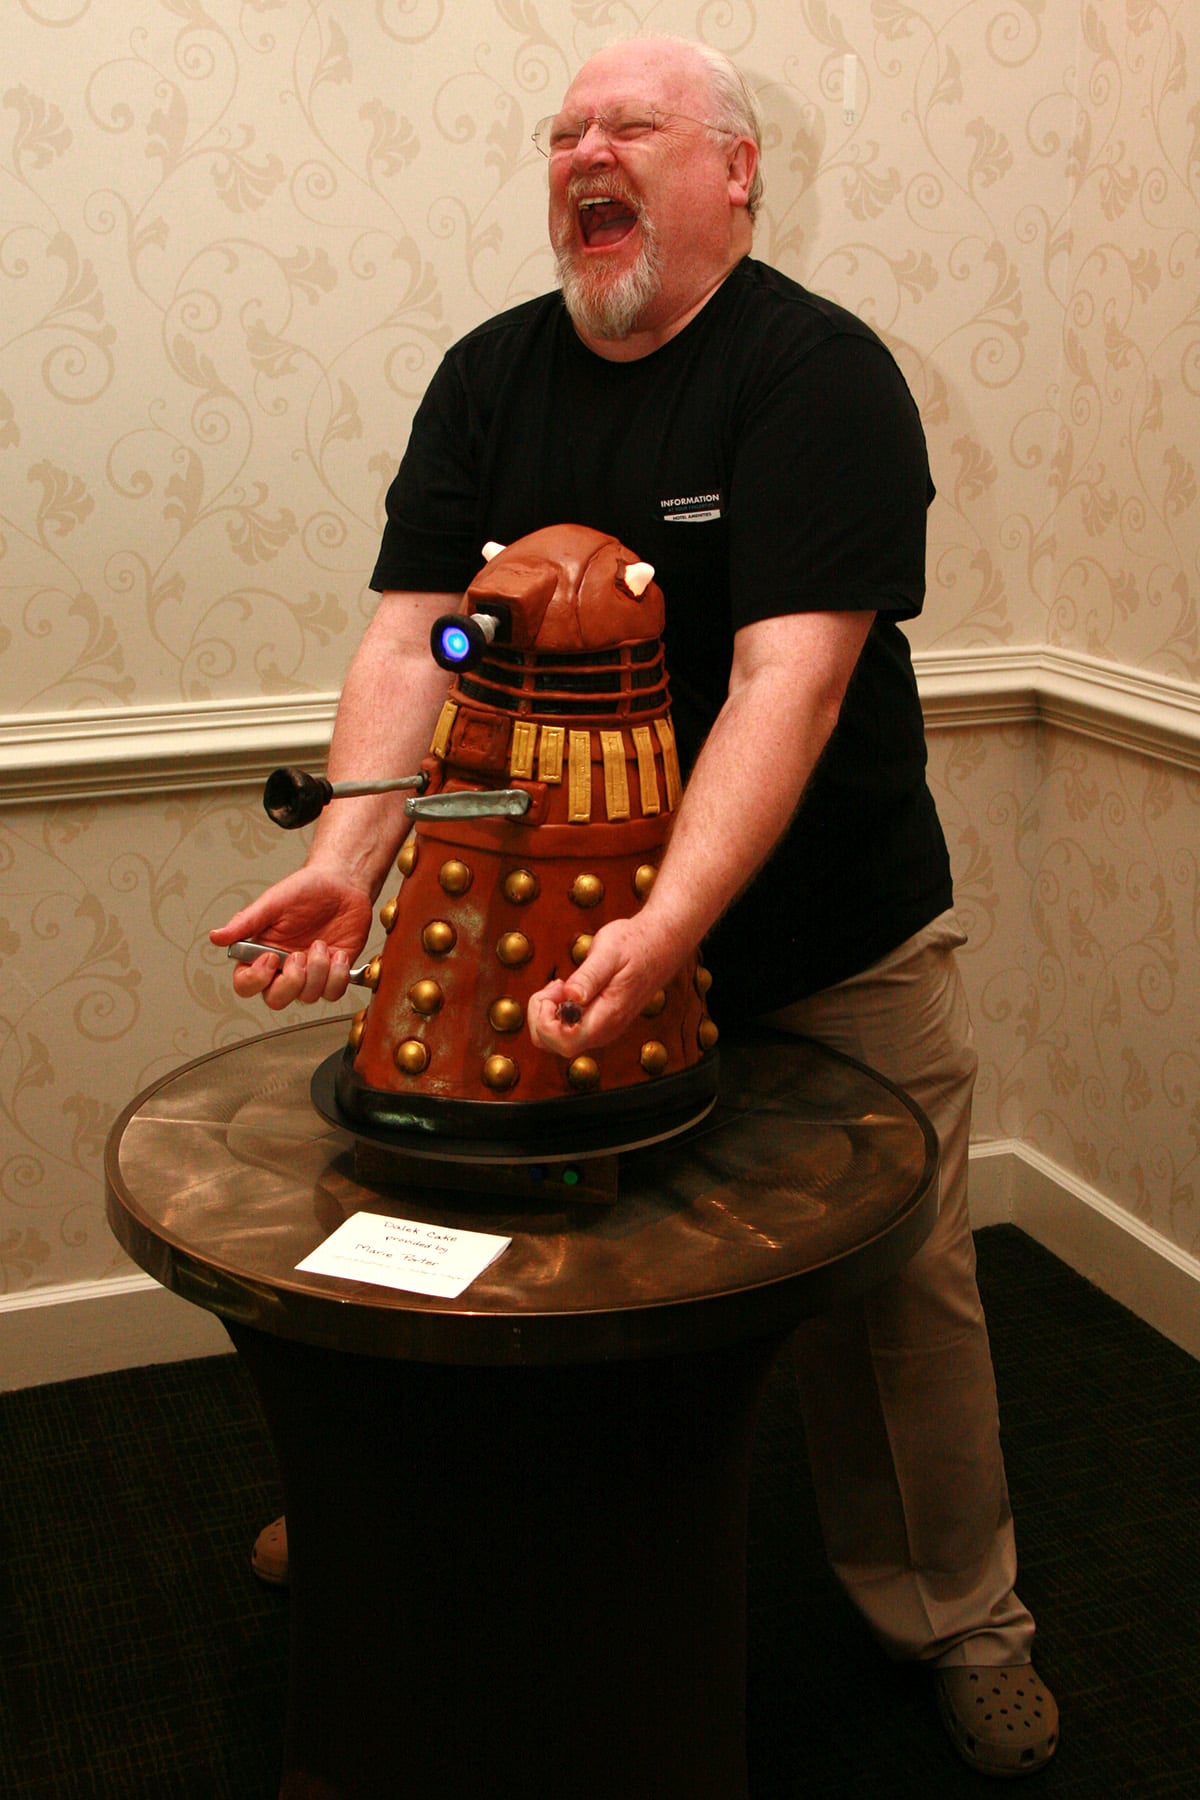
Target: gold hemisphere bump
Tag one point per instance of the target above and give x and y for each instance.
(500, 1073)
(643, 880)
(654, 1057)
(521, 886)
(580, 947)
(655, 1004)
(506, 1015)
(703, 979)
(584, 1074)
(387, 912)
(439, 937)
(371, 973)
(707, 1034)
(406, 862)
(455, 876)
(358, 1025)
(514, 949)
(411, 1057)
(587, 890)
(426, 997)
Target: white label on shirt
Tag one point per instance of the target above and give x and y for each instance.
(690, 509)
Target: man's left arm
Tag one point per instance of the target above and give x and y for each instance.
(786, 686)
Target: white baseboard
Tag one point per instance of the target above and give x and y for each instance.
(1153, 715)
(172, 746)
(89, 1328)
(1013, 1184)
(112, 753)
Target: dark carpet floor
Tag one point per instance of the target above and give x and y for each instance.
(139, 1657)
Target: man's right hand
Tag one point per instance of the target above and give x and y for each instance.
(322, 919)
(389, 705)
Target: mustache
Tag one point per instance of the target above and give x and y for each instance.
(603, 187)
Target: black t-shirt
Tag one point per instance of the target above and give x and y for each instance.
(767, 460)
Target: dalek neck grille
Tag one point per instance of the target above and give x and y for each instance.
(623, 683)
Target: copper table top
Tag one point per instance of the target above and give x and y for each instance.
(811, 1180)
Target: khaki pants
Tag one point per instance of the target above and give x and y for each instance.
(897, 1390)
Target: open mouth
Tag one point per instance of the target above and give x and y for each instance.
(604, 222)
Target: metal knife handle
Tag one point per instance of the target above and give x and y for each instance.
(247, 951)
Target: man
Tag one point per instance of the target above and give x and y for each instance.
(759, 447)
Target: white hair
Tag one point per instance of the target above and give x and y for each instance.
(735, 105)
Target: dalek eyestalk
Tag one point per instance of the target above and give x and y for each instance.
(459, 641)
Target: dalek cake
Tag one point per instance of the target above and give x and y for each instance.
(546, 805)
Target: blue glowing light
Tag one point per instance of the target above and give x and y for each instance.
(455, 643)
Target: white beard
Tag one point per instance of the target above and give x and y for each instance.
(603, 305)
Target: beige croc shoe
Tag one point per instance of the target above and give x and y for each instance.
(1002, 1721)
(269, 1557)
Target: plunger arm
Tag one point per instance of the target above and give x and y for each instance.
(292, 797)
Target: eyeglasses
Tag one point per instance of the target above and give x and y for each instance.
(559, 134)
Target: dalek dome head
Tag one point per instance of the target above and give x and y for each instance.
(565, 588)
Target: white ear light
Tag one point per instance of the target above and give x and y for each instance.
(492, 548)
(637, 578)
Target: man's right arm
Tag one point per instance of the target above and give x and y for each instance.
(388, 707)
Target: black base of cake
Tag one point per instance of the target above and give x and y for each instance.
(579, 1125)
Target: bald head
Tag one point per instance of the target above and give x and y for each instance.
(651, 177)
(731, 103)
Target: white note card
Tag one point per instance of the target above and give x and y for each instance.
(402, 1253)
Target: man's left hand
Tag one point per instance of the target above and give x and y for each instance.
(621, 972)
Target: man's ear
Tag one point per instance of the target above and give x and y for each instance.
(743, 161)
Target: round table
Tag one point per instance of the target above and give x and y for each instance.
(516, 1520)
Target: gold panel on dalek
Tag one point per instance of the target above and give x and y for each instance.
(541, 812)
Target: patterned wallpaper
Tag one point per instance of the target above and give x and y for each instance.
(1076, 872)
(234, 238)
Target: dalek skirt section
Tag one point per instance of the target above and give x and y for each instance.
(560, 706)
